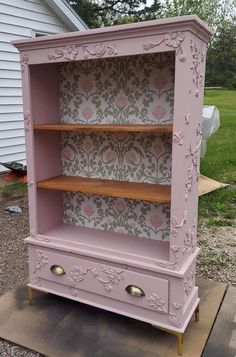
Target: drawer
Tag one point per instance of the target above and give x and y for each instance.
(109, 280)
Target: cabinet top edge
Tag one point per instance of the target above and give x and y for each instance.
(179, 23)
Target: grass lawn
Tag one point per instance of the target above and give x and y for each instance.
(219, 163)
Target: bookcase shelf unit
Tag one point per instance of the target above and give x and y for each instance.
(113, 132)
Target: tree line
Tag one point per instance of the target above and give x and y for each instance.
(219, 14)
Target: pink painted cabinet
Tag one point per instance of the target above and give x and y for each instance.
(113, 132)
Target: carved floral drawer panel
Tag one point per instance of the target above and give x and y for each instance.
(100, 278)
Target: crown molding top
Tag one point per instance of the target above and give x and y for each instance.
(190, 23)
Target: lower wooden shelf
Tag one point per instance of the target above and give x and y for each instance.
(133, 190)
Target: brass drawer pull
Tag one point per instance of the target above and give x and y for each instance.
(135, 291)
(57, 270)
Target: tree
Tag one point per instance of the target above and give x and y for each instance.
(213, 12)
(221, 57)
(113, 12)
(221, 54)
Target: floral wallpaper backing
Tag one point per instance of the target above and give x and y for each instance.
(131, 90)
(134, 89)
(139, 157)
(136, 218)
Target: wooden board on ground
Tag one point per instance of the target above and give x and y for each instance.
(207, 185)
(58, 327)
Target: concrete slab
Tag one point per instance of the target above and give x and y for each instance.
(59, 327)
(222, 340)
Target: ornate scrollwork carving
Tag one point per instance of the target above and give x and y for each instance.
(71, 52)
(175, 224)
(24, 62)
(187, 118)
(174, 317)
(30, 183)
(189, 280)
(156, 303)
(27, 120)
(178, 137)
(171, 39)
(190, 239)
(40, 260)
(107, 276)
(188, 184)
(197, 59)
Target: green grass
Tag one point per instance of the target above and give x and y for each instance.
(219, 162)
(218, 208)
(11, 189)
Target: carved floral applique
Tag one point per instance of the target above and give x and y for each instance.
(175, 317)
(189, 280)
(107, 276)
(71, 52)
(156, 303)
(197, 58)
(171, 39)
(41, 260)
(27, 120)
(24, 62)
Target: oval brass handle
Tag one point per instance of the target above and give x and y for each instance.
(134, 290)
(57, 270)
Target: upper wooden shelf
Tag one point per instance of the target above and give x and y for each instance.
(108, 127)
(133, 190)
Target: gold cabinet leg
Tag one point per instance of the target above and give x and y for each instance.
(180, 337)
(30, 296)
(197, 311)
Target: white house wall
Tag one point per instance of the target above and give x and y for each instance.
(18, 19)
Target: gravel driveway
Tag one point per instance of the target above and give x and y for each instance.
(216, 260)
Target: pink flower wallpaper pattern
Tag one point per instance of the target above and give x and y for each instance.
(121, 90)
(137, 157)
(137, 218)
(140, 157)
(134, 90)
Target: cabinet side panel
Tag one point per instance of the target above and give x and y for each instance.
(45, 94)
(49, 209)
(187, 135)
(29, 142)
(47, 154)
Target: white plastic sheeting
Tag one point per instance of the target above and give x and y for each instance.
(210, 123)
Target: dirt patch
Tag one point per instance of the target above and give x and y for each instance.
(13, 257)
(217, 258)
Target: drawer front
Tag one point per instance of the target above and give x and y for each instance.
(109, 280)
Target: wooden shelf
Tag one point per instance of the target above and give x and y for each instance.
(110, 127)
(133, 190)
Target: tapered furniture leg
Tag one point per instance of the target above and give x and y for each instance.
(179, 335)
(30, 296)
(197, 312)
(180, 338)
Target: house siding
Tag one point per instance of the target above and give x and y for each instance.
(18, 20)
